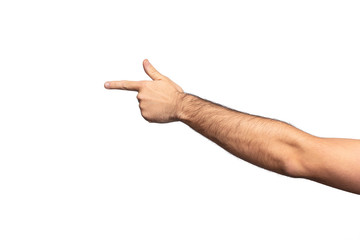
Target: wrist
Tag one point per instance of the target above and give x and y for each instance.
(179, 112)
(182, 106)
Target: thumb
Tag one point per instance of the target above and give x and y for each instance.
(151, 71)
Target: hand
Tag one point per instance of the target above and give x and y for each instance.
(159, 99)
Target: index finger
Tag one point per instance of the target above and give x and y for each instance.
(124, 85)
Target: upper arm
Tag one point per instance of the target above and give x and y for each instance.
(332, 161)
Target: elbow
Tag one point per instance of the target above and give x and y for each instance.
(304, 160)
(290, 164)
(293, 166)
(294, 160)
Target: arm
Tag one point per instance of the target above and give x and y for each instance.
(267, 143)
(275, 145)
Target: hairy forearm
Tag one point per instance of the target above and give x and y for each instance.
(267, 143)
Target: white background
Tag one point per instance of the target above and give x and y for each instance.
(79, 162)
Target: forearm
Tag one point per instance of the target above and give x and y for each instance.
(267, 143)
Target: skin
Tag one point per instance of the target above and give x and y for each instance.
(267, 143)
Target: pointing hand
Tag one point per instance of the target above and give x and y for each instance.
(159, 98)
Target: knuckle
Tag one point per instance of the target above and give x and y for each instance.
(124, 85)
(139, 96)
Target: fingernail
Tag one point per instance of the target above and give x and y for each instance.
(107, 84)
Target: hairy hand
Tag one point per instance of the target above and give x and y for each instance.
(159, 99)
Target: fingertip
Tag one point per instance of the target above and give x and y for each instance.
(146, 62)
(107, 85)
